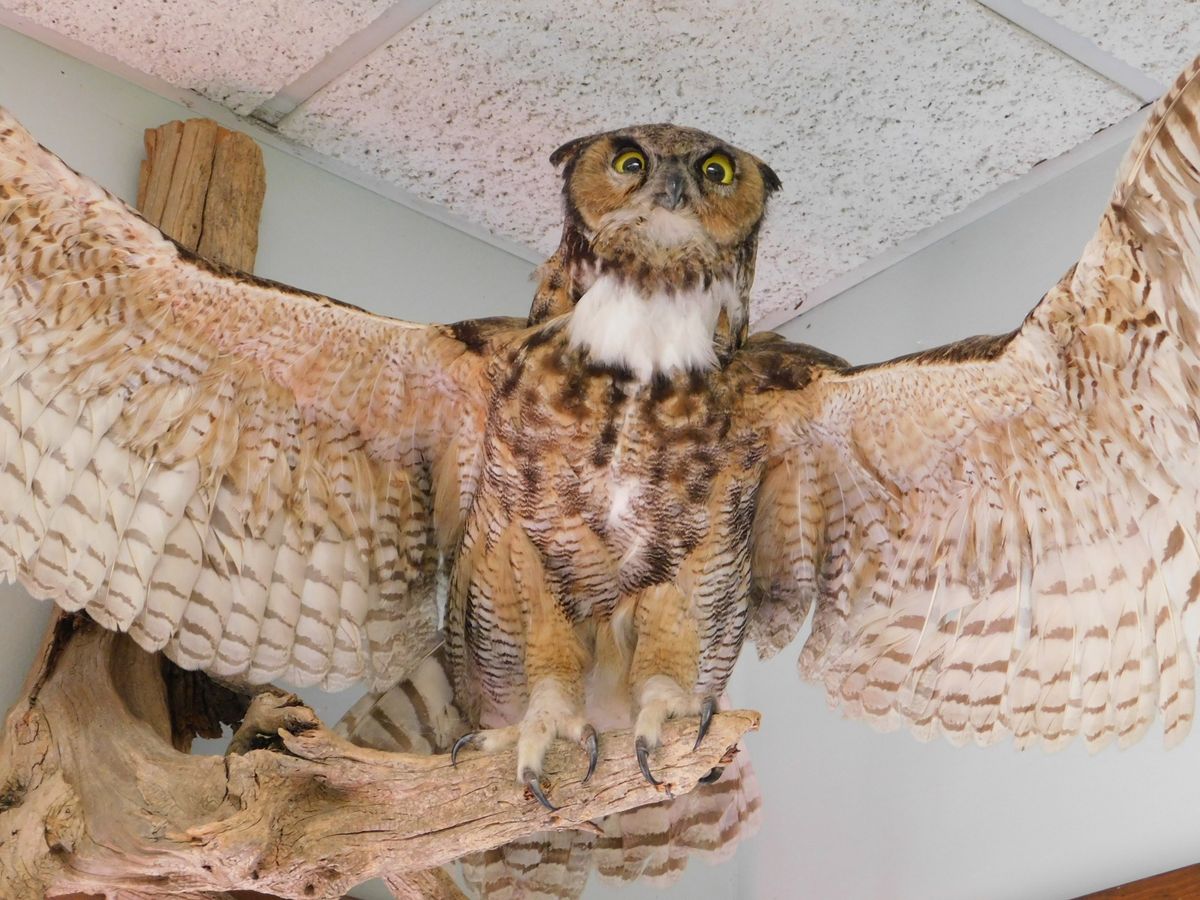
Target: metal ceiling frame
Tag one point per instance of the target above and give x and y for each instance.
(342, 58)
(264, 134)
(1081, 49)
(1120, 134)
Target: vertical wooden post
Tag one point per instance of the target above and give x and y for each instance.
(203, 185)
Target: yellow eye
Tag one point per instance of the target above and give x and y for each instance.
(718, 168)
(630, 162)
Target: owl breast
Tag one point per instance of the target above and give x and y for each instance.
(619, 483)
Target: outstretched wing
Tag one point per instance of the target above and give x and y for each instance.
(235, 472)
(1001, 535)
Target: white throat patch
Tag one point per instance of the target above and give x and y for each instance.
(618, 325)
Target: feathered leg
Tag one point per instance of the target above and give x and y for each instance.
(555, 663)
(662, 675)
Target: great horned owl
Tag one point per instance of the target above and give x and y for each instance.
(616, 422)
(998, 537)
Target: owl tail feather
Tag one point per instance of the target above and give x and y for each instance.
(652, 842)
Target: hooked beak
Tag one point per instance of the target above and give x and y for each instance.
(671, 196)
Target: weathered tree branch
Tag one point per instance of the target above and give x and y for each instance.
(94, 797)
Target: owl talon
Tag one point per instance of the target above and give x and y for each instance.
(714, 774)
(592, 745)
(534, 784)
(643, 754)
(467, 738)
(707, 708)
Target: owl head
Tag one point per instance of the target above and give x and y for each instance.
(663, 200)
(663, 206)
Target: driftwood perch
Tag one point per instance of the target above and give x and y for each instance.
(95, 798)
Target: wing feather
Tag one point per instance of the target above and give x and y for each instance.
(1008, 537)
(231, 470)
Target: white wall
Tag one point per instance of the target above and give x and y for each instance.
(848, 813)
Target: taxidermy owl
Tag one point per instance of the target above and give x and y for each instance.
(996, 537)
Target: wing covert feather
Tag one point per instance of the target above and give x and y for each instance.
(233, 471)
(1006, 528)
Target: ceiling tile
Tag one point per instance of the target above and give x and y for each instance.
(1160, 37)
(881, 119)
(234, 52)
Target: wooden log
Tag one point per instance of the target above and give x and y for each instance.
(234, 202)
(96, 800)
(203, 185)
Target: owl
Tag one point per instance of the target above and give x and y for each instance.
(997, 537)
(616, 422)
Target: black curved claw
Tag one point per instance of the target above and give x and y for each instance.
(592, 744)
(707, 708)
(535, 787)
(643, 753)
(713, 775)
(459, 744)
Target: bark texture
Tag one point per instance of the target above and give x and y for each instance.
(203, 185)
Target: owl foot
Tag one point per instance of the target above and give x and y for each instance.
(538, 730)
(551, 714)
(532, 780)
(662, 699)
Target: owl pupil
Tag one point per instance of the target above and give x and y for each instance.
(632, 165)
(714, 172)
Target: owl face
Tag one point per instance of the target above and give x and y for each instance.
(664, 201)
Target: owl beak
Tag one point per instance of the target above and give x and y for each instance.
(671, 196)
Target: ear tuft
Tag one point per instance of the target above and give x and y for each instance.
(770, 179)
(569, 150)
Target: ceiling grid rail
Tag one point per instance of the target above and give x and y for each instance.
(1080, 48)
(1116, 135)
(342, 58)
(265, 133)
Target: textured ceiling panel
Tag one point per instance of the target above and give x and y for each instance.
(882, 119)
(1160, 37)
(236, 53)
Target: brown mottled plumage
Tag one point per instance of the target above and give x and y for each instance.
(997, 537)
